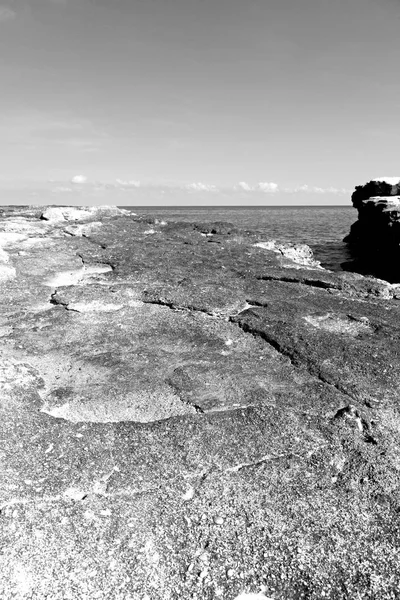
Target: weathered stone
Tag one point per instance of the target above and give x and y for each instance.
(385, 186)
(79, 213)
(299, 254)
(375, 237)
(177, 407)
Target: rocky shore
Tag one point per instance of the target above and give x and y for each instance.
(190, 411)
(375, 236)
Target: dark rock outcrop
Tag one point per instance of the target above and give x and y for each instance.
(375, 237)
(186, 411)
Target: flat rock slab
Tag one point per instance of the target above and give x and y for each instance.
(188, 413)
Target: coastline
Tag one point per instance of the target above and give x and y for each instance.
(186, 413)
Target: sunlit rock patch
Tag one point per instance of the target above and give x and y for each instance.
(337, 324)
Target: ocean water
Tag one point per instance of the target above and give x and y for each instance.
(320, 227)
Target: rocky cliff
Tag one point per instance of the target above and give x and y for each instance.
(375, 236)
(190, 411)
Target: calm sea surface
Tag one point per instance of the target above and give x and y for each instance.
(321, 227)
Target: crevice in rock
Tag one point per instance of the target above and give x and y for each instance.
(177, 392)
(57, 302)
(256, 463)
(318, 283)
(351, 413)
(178, 308)
(103, 262)
(294, 360)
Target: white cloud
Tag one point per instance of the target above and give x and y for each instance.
(263, 186)
(313, 189)
(269, 187)
(309, 188)
(201, 187)
(6, 14)
(242, 185)
(62, 189)
(129, 183)
(79, 179)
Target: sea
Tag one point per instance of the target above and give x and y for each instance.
(320, 227)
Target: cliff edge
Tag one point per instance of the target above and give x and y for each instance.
(375, 236)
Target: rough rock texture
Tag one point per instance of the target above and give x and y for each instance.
(375, 236)
(188, 414)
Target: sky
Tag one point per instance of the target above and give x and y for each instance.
(197, 101)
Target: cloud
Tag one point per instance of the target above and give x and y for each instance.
(133, 183)
(242, 185)
(263, 186)
(6, 14)
(313, 189)
(201, 187)
(269, 187)
(79, 179)
(62, 189)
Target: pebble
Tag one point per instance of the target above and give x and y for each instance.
(189, 494)
(100, 488)
(230, 573)
(89, 515)
(113, 564)
(204, 557)
(75, 493)
(218, 520)
(203, 574)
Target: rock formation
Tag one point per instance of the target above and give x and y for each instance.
(375, 236)
(188, 412)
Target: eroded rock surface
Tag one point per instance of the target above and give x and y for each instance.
(375, 236)
(192, 413)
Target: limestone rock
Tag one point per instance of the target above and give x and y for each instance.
(298, 255)
(385, 186)
(192, 414)
(375, 236)
(79, 213)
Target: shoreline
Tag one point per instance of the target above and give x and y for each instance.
(186, 413)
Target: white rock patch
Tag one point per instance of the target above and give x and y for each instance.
(299, 254)
(7, 272)
(335, 324)
(140, 407)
